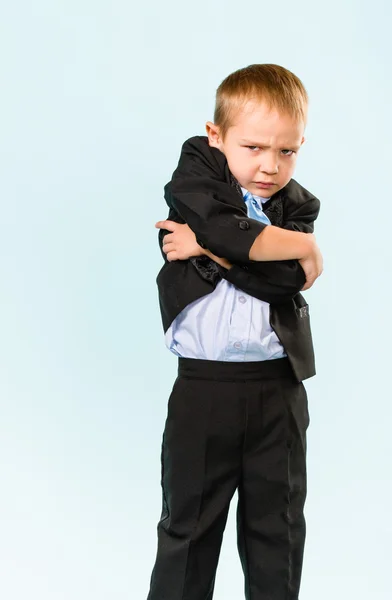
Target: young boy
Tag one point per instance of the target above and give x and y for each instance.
(238, 249)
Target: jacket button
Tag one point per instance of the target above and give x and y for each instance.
(243, 225)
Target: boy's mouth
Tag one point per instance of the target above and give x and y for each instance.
(264, 184)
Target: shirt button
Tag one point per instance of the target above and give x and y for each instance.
(242, 299)
(237, 345)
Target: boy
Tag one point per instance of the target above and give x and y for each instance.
(232, 313)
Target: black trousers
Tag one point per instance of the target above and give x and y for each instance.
(232, 426)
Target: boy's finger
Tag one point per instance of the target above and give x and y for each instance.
(168, 247)
(169, 225)
(171, 256)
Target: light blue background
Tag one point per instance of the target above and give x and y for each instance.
(96, 99)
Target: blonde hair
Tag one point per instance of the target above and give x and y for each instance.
(277, 86)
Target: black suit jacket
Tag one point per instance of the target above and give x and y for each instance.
(204, 194)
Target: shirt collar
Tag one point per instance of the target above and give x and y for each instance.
(259, 199)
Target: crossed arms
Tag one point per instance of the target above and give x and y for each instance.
(271, 263)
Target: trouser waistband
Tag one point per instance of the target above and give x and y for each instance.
(226, 370)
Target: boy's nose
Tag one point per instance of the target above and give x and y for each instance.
(269, 164)
(270, 167)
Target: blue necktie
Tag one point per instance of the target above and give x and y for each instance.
(254, 209)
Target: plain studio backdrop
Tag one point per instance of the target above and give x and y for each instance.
(96, 100)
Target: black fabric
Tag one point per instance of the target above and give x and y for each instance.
(232, 426)
(204, 194)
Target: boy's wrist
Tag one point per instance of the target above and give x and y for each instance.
(223, 262)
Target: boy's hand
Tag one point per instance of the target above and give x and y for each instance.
(181, 244)
(312, 265)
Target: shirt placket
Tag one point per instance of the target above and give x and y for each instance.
(241, 318)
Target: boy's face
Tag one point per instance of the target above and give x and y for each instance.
(260, 146)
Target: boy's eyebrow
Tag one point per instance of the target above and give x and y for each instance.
(285, 147)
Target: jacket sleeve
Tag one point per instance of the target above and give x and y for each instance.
(301, 217)
(277, 281)
(201, 195)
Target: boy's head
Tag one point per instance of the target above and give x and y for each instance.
(260, 117)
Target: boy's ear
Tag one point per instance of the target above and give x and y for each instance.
(213, 133)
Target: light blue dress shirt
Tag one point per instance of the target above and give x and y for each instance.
(227, 324)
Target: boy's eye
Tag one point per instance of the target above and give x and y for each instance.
(286, 151)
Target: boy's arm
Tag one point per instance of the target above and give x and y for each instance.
(200, 193)
(285, 278)
(273, 282)
(263, 285)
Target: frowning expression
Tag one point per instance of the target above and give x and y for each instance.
(261, 147)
